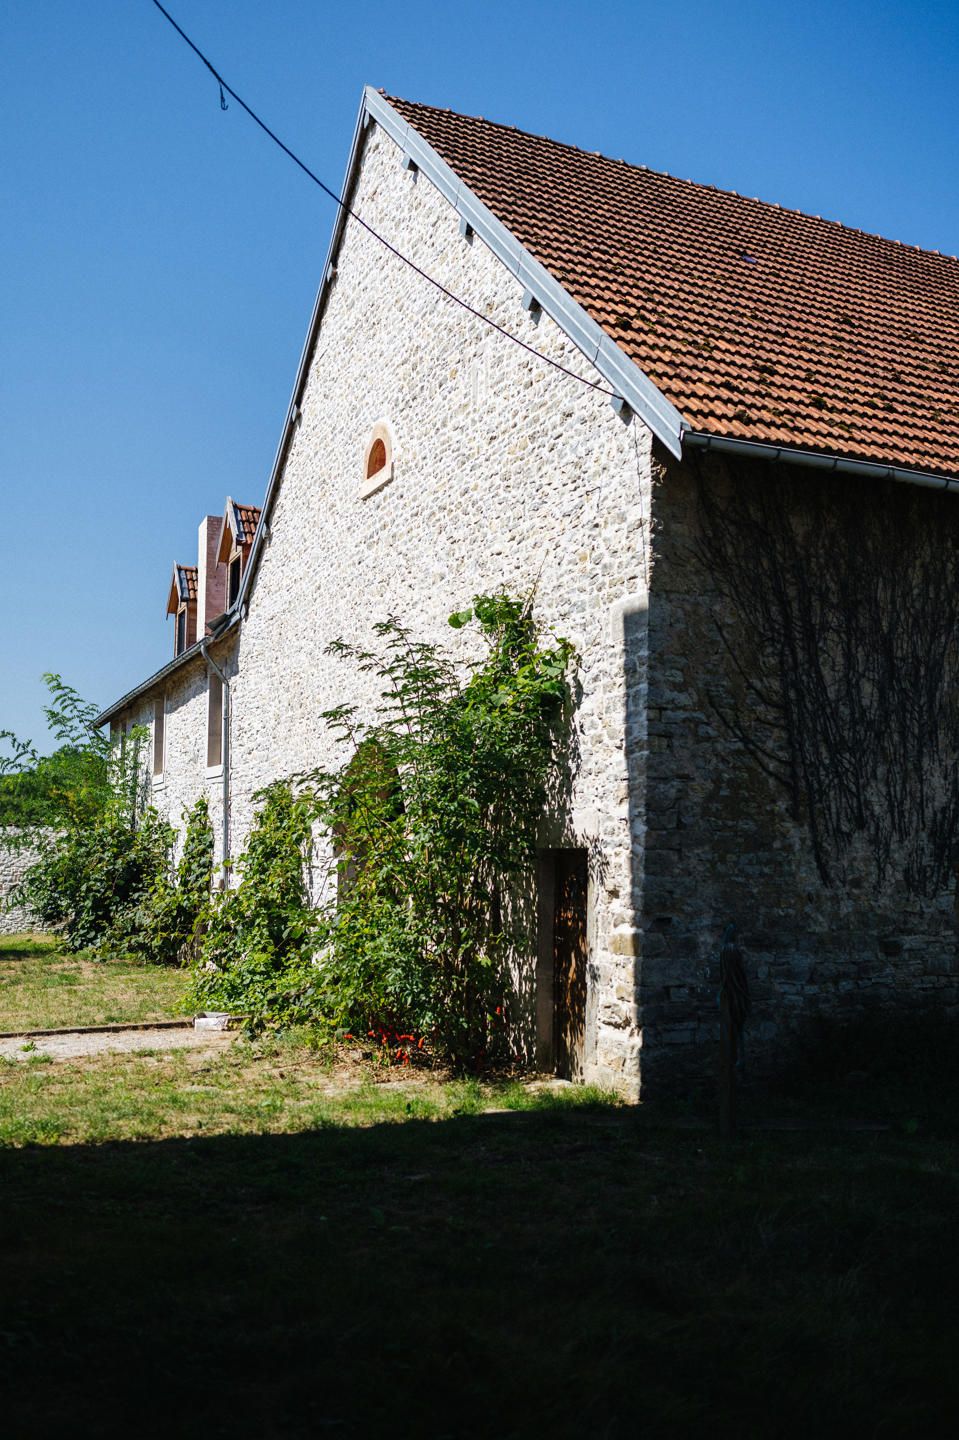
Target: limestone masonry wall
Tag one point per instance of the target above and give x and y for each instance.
(13, 865)
(505, 473)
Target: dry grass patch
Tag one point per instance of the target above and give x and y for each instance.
(44, 988)
(249, 1089)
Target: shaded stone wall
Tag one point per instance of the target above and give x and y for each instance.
(729, 839)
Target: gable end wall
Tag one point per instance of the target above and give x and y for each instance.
(506, 473)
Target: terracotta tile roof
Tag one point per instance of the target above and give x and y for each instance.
(247, 518)
(187, 581)
(758, 323)
(183, 587)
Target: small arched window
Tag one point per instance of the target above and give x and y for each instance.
(377, 460)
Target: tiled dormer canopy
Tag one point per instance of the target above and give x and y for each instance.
(236, 539)
(181, 602)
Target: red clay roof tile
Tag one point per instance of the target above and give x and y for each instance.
(758, 323)
(247, 518)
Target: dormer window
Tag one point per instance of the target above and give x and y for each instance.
(181, 603)
(236, 574)
(236, 541)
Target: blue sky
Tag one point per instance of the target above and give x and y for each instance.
(159, 258)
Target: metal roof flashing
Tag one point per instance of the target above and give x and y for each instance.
(551, 297)
(818, 460)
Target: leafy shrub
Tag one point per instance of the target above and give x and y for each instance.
(253, 958)
(430, 827)
(99, 846)
(170, 923)
(73, 784)
(93, 881)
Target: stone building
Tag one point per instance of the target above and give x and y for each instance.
(721, 453)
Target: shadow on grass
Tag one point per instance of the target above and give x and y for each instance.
(20, 947)
(550, 1272)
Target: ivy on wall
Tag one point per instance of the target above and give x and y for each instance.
(839, 615)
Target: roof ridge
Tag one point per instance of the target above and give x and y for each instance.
(678, 179)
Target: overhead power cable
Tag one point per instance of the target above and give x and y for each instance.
(348, 210)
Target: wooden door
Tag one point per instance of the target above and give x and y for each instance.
(571, 888)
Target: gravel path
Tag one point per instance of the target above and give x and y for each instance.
(73, 1044)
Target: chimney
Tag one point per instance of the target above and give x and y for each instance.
(211, 577)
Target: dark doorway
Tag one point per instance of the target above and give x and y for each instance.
(569, 956)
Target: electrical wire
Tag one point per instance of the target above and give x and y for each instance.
(348, 210)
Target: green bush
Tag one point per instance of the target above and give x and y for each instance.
(104, 875)
(169, 925)
(92, 882)
(430, 826)
(254, 954)
(75, 783)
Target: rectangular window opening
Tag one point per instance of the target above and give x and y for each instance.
(159, 734)
(236, 565)
(180, 632)
(214, 722)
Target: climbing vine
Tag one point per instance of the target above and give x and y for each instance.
(428, 832)
(170, 924)
(254, 954)
(840, 618)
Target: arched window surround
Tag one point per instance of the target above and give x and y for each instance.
(377, 459)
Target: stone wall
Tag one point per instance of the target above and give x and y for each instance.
(506, 473)
(13, 865)
(727, 839)
(185, 772)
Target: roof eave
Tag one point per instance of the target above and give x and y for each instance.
(818, 460)
(159, 676)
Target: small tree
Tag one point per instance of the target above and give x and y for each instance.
(84, 811)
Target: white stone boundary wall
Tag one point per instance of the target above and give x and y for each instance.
(14, 863)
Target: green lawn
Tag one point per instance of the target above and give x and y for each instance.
(43, 988)
(256, 1244)
(265, 1243)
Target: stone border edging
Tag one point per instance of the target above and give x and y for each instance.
(99, 1029)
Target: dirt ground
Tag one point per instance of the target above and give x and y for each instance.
(73, 1045)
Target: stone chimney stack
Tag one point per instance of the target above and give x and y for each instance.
(211, 577)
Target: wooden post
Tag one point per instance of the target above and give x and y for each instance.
(733, 1008)
(727, 1069)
